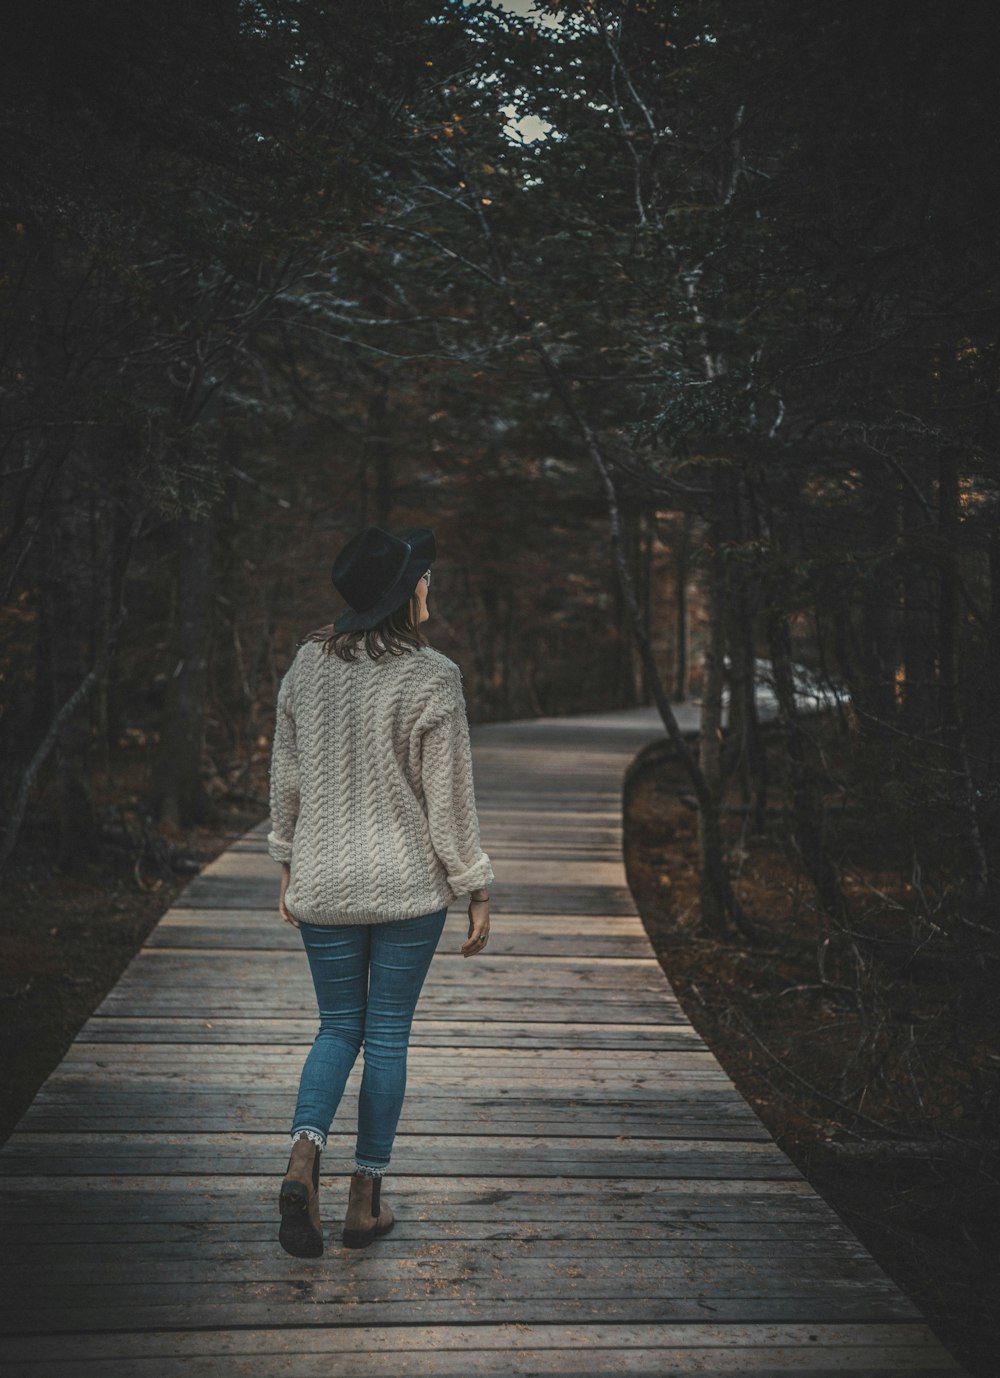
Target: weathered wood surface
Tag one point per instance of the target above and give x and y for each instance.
(579, 1188)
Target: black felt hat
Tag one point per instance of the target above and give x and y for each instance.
(376, 573)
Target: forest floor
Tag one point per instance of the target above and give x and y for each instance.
(65, 938)
(931, 1223)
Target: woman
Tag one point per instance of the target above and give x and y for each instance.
(374, 822)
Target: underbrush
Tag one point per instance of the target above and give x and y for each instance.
(867, 1039)
(66, 936)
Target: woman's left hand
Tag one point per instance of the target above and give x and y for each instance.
(286, 875)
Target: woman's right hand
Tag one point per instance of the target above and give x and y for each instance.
(286, 875)
(479, 927)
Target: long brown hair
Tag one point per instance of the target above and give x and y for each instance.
(396, 634)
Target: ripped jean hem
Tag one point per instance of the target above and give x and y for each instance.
(365, 1170)
(315, 1136)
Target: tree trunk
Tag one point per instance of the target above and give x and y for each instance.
(507, 649)
(66, 590)
(710, 728)
(645, 566)
(379, 447)
(743, 750)
(746, 600)
(126, 525)
(879, 655)
(625, 669)
(375, 480)
(993, 653)
(739, 644)
(919, 709)
(681, 566)
(232, 671)
(805, 802)
(977, 860)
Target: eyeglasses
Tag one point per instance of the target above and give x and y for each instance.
(427, 576)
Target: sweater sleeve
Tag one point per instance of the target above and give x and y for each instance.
(284, 777)
(446, 771)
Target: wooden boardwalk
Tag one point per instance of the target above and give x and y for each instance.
(579, 1188)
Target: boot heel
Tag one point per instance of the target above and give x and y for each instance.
(294, 1199)
(296, 1233)
(360, 1239)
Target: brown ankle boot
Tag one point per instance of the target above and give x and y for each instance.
(367, 1215)
(301, 1231)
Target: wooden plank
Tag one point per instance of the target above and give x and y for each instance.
(127, 1255)
(584, 1088)
(607, 1156)
(502, 1199)
(496, 1010)
(415, 1122)
(819, 1363)
(356, 1341)
(253, 871)
(666, 1036)
(682, 1098)
(449, 1067)
(521, 1263)
(225, 892)
(581, 1207)
(705, 1234)
(427, 1097)
(603, 1006)
(273, 1119)
(529, 1062)
(251, 1305)
(206, 968)
(230, 1084)
(419, 1120)
(525, 924)
(269, 933)
(676, 1115)
(500, 1349)
(512, 1357)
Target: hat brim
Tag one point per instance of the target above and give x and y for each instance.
(422, 554)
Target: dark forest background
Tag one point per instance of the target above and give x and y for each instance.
(679, 323)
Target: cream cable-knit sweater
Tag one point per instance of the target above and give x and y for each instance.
(372, 798)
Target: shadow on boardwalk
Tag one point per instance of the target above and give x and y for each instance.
(578, 1186)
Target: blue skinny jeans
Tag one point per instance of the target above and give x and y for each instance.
(368, 978)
